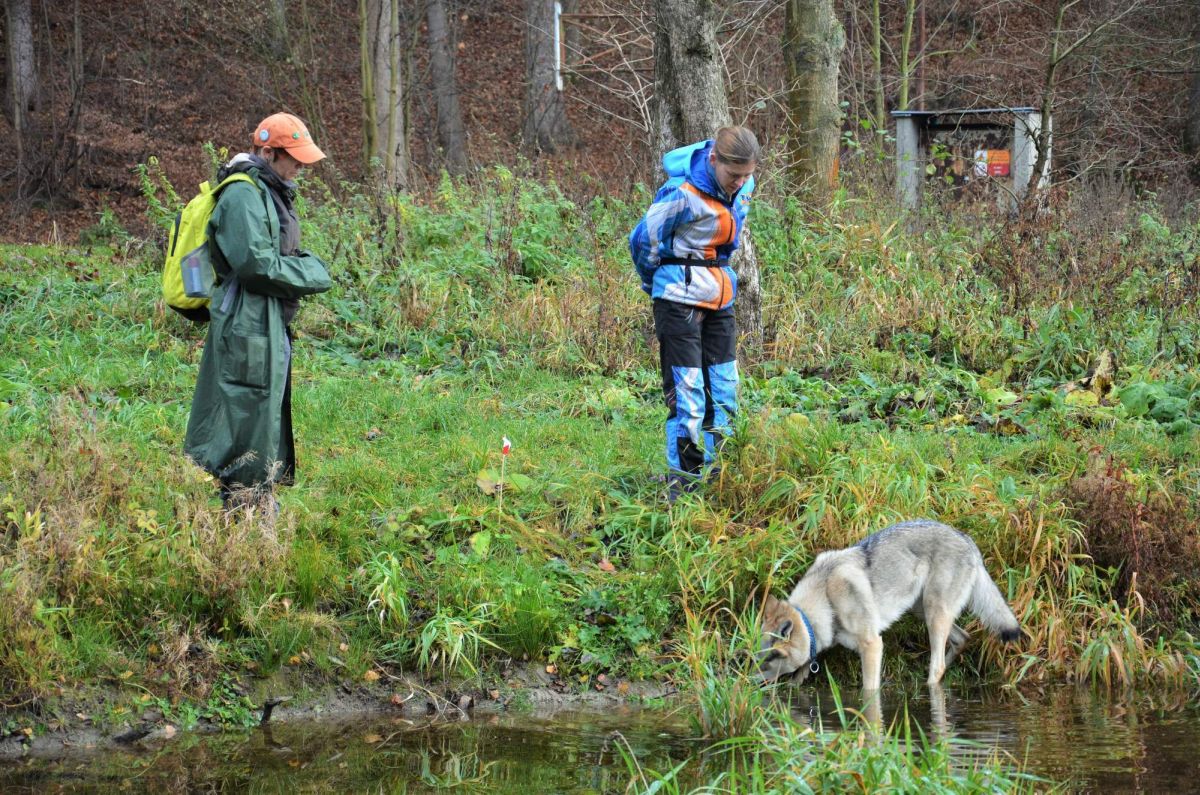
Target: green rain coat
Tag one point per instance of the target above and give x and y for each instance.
(240, 427)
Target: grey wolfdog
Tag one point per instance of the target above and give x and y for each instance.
(850, 596)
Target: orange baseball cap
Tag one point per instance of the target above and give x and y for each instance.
(285, 131)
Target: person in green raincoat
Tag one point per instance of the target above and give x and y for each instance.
(240, 428)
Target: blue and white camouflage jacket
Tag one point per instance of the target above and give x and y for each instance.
(691, 218)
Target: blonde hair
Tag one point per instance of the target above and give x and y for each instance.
(737, 146)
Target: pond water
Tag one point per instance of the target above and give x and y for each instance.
(1098, 743)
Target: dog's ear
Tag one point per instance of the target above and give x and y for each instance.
(785, 631)
(770, 604)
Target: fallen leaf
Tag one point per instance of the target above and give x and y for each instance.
(294, 659)
(371, 676)
(488, 481)
(343, 647)
(606, 565)
(551, 669)
(623, 688)
(372, 739)
(1000, 396)
(126, 674)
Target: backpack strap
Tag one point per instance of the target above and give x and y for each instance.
(240, 176)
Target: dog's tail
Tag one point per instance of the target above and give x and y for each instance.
(991, 609)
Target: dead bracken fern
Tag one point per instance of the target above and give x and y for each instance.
(1151, 539)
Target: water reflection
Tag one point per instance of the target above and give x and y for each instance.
(1144, 743)
(1098, 741)
(566, 752)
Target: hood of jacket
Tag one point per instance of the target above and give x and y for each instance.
(691, 163)
(246, 162)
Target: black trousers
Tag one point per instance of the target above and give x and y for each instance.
(698, 353)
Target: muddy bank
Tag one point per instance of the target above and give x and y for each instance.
(68, 725)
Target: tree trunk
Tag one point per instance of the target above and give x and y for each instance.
(689, 87)
(910, 8)
(921, 54)
(572, 34)
(546, 125)
(881, 121)
(21, 91)
(690, 105)
(1191, 135)
(813, 42)
(451, 134)
(382, 81)
(1032, 196)
(277, 32)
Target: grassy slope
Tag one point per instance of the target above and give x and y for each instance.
(899, 383)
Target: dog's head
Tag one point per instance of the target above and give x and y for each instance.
(785, 647)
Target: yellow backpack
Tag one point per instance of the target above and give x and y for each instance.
(188, 275)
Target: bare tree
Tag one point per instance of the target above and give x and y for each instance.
(812, 46)
(1064, 43)
(384, 128)
(907, 61)
(22, 70)
(691, 105)
(880, 102)
(1191, 135)
(546, 125)
(451, 134)
(277, 30)
(611, 49)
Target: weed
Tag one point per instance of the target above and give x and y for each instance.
(453, 643)
(905, 372)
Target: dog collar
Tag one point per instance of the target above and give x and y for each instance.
(812, 636)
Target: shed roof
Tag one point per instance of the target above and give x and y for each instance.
(903, 114)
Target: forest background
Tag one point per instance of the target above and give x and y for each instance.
(107, 85)
(1028, 376)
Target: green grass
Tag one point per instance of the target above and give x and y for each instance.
(905, 375)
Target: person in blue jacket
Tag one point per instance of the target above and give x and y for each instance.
(681, 251)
